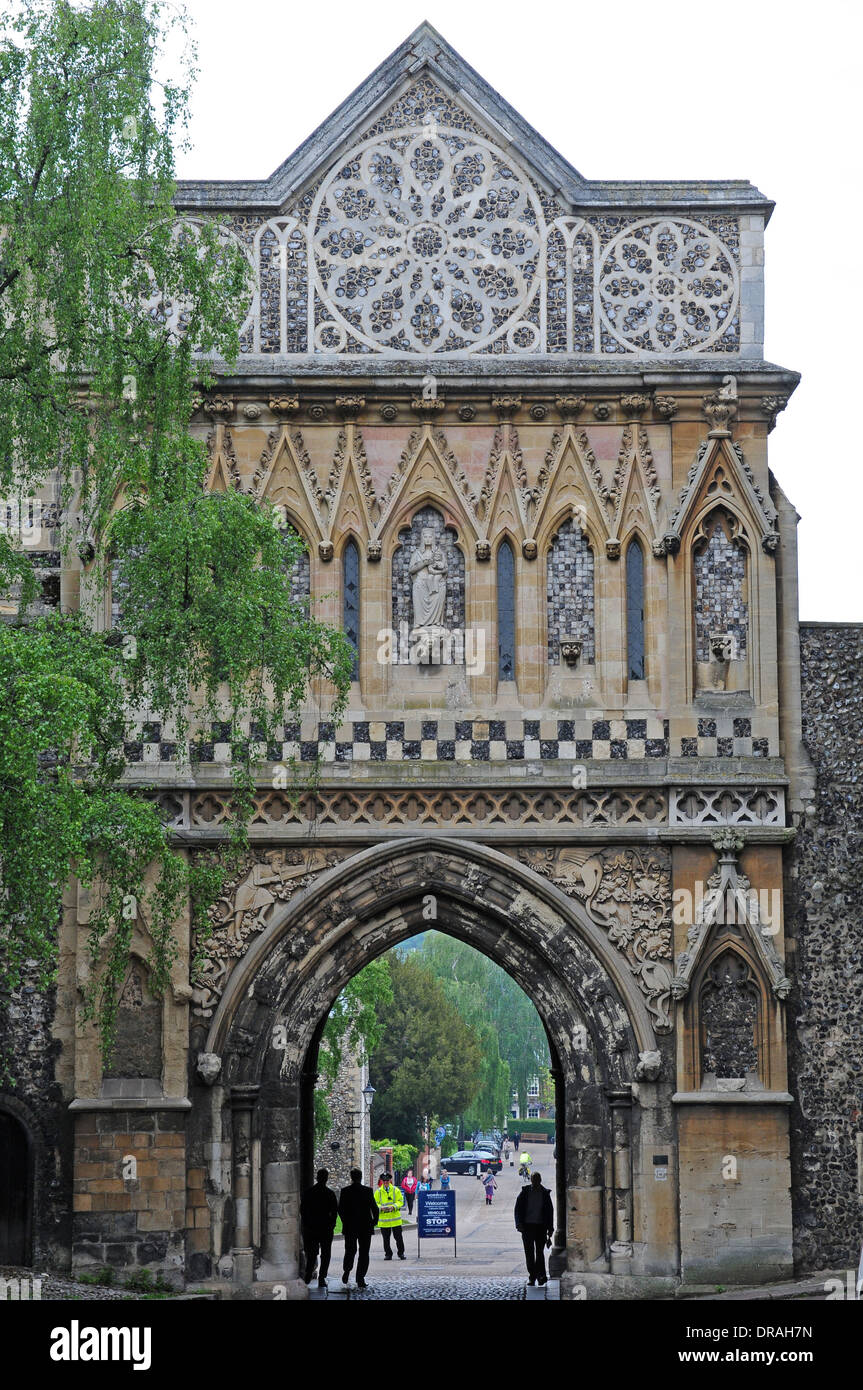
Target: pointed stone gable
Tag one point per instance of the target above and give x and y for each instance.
(425, 219)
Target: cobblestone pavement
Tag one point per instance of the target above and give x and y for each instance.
(414, 1288)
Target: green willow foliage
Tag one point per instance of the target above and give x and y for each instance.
(110, 310)
(514, 1040)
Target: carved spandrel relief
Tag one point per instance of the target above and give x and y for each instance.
(627, 893)
(244, 909)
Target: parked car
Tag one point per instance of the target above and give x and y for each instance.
(472, 1162)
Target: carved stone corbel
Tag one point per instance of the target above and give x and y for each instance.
(570, 406)
(428, 406)
(771, 406)
(649, 1066)
(506, 406)
(721, 409)
(634, 405)
(209, 1066)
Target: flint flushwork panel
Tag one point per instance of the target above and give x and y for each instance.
(569, 593)
(720, 605)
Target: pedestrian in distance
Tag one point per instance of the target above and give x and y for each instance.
(445, 1181)
(318, 1211)
(534, 1221)
(389, 1201)
(409, 1188)
(359, 1216)
(490, 1186)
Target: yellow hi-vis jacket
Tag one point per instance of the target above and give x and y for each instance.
(390, 1201)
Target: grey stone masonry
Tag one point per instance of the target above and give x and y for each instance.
(825, 919)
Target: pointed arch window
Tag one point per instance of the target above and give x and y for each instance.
(635, 610)
(505, 612)
(351, 602)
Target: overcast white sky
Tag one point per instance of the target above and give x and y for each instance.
(754, 89)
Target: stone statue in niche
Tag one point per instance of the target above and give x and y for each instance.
(428, 572)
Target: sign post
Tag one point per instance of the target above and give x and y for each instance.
(436, 1218)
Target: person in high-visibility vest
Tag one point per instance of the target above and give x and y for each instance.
(524, 1165)
(389, 1200)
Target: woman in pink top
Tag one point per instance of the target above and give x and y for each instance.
(409, 1188)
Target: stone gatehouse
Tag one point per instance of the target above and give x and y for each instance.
(520, 419)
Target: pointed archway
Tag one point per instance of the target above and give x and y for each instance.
(599, 1028)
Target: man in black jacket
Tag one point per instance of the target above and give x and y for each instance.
(318, 1212)
(359, 1212)
(534, 1220)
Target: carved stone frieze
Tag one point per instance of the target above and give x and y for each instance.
(443, 808)
(727, 806)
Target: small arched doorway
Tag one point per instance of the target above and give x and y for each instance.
(15, 1192)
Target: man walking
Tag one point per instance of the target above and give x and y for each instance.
(318, 1212)
(534, 1220)
(389, 1202)
(359, 1213)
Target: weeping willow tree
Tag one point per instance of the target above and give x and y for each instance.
(110, 310)
(515, 1046)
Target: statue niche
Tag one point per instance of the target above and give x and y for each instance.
(729, 1021)
(721, 604)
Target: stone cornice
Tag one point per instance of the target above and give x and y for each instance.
(568, 373)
